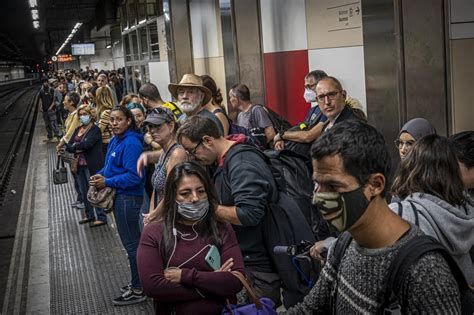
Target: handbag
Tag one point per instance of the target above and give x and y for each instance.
(103, 198)
(60, 173)
(262, 306)
(66, 156)
(74, 163)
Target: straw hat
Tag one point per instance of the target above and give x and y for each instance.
(190, 80)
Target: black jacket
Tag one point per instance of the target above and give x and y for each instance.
(346, 114)
(245, 181)
(91, 146)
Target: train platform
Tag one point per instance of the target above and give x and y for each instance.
(57, 265)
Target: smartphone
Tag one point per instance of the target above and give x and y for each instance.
(213, 258)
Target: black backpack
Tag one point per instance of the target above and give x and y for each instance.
(292, 174)
(408, 254)
(236, 129)
(284, 224)
(304, 149)
(278, 122)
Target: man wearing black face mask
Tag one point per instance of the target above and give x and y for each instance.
(351, 164)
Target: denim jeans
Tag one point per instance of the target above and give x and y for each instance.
(92, 213)
(145, 208)
(127, 216)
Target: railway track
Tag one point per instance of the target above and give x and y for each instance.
(17, 118)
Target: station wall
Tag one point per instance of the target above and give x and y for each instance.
(206, 33)
(304, 35)
(462, 50)
(297, 37)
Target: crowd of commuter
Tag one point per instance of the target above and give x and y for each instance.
(194, 190)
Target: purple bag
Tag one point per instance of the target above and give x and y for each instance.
(262, 306)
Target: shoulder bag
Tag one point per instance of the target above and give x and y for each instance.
(262, 306)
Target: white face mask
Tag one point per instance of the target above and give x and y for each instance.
(309, 96)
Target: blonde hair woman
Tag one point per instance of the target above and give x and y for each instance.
(104, 103)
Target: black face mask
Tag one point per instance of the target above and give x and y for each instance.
(342, 210)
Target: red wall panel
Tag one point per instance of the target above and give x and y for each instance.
(284, 83)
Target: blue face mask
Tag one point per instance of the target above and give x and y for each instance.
(85, 119)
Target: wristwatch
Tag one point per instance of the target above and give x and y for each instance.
(281, 133)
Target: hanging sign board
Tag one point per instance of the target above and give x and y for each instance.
(65, 58)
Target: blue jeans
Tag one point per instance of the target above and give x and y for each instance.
(82, 176)
(127, 216)
(145, 208)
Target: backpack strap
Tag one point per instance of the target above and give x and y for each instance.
(415, 213)
(218, 110)
(400, 209)
(342, 243)
(252, 116)
(407, 256)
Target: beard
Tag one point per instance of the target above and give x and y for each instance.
(188, 107)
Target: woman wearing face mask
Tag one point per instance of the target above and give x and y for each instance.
(71, 102)
(120, 172)
(162, 127)
(430, 186)
(86, 143)
(172, 252)
(413, 130)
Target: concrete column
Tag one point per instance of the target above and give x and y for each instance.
(179, 39)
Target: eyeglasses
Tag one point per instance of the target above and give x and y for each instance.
(310, 86)
(399, 144)
(193, 151)
(330, 95)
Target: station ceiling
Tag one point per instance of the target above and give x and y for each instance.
(20, 41)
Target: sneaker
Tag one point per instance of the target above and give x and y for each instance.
(80, 206)
(125, 288)
(85, 220)
(132, 296)
(97, 223)
(54, 140)
(75, 204)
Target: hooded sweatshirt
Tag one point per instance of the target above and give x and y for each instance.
(120, 169)
(452, 226)
(244, 180)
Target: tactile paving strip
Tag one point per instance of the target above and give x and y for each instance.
(88, 266)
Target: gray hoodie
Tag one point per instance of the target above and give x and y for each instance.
(452, 226)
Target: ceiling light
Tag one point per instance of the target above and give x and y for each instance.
(33, 4)
(142, 21)
(36, 24)
(68, 39)
(108, 46)
(34, 14)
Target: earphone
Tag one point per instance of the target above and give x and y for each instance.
(175, 234)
